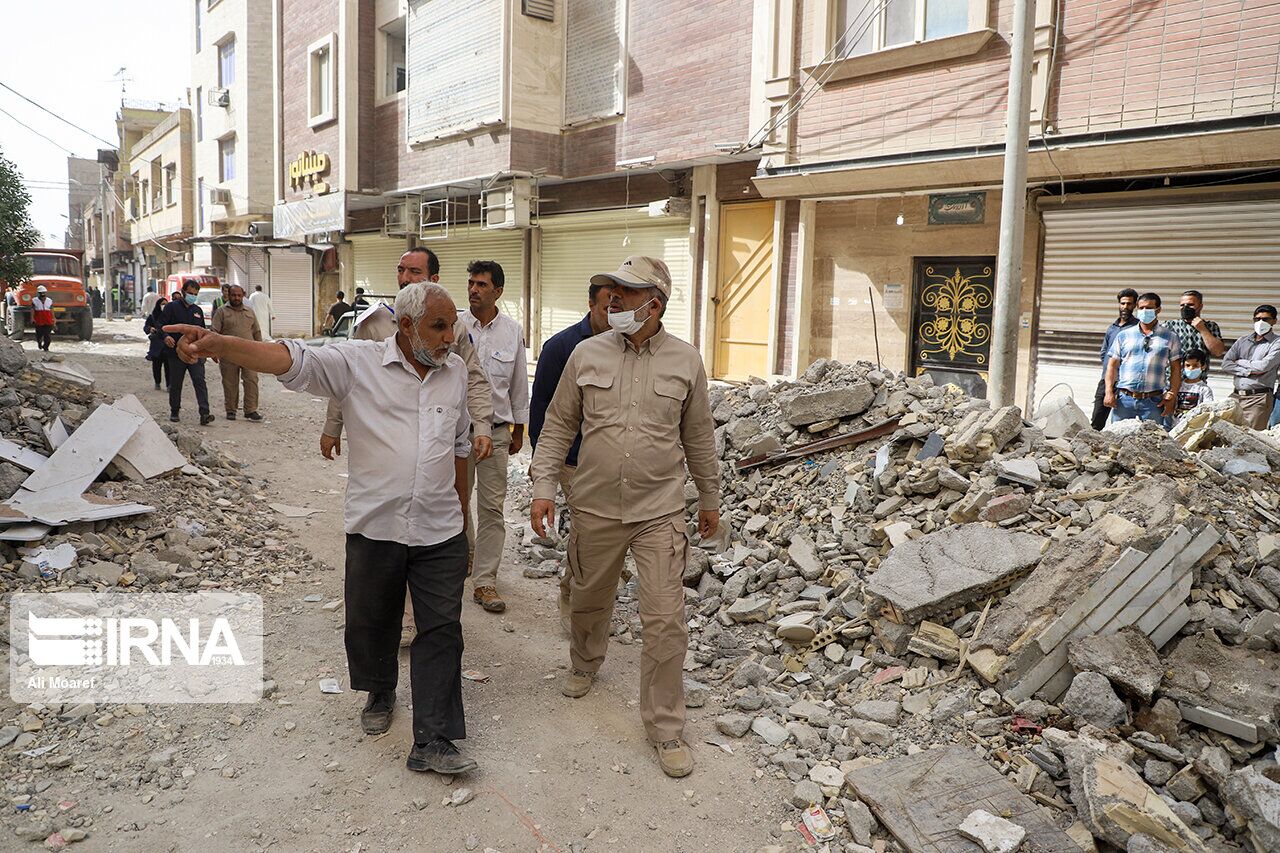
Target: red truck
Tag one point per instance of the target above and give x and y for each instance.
(61, 273)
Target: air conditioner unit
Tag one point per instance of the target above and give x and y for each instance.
(260, 230)
(675, 207)
(508, 206)
(218, 195)
(219, 98)
(400, 216)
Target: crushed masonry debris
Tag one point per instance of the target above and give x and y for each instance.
(944, 584)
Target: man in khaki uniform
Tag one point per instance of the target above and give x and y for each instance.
(377, 324)
(236, 320)
(639, 396)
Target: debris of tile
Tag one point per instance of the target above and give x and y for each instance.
(330, 685)
(991, 832)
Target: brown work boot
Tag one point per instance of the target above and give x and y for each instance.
(578, 684)
(487, 597)
(675, 758)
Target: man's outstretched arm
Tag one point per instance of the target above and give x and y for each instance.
(197, 343)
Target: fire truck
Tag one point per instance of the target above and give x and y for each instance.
(61, 273)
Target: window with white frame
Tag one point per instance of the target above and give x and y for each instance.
(199, 113)
(200, 205)
(595, 60)
(170, 178)
(395, 75)
(865, 26)
(227, 159)
(226, 63)
(322, 79)
(199, 25)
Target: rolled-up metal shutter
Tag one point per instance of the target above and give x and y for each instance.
(292, 293)
(1229, 251)
(576, 246)
(258, 275)
(476, 244)
(374, 259)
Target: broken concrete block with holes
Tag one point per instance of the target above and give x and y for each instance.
(951, 567)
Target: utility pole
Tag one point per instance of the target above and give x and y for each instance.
(1013, 210)
(106, 246)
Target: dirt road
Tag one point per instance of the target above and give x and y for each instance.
(295, 773)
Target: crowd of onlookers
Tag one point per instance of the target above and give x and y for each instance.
(1158, 370)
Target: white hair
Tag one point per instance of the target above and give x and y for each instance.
(412, 299)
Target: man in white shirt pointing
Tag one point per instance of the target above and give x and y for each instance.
(404, 403)
(499, 344)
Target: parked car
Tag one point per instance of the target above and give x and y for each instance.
(341, 330)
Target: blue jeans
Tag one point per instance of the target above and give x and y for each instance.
(1147, 409)
(1275, 414)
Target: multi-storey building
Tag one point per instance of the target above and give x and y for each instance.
(231, 105)
(556, 137)
(83, 177)
(1154, 153)
(161, 209)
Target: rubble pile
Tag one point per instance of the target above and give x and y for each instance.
(199, 525)
(1095, 614)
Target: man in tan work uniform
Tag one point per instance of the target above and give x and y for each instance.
(236, 320)
(378, 323)
(639, 396)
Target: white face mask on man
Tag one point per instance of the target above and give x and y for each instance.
(629, 322)
(1261, 327)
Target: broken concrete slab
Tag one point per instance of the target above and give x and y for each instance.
(56, 433)
(56, 510)
(830, 404)
(78, 462)
(1112, 799)
(24, 457)
(1243, 696)
(1060, 418)
(1091, 700)
(1024, 471)
(950, 567)
(1126, 657)
(1253, 795)
(922, 799)
(149, 452)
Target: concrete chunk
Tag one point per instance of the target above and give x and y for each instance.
(991, 832)
(1127, 658)
(830, 404)
(1245, 686)
(951, 567)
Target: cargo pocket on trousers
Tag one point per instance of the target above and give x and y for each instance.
(571, 555)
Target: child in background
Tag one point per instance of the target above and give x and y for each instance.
(1195, 387)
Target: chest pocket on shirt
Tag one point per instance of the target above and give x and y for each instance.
(501, 363)
(664, 408)
(599, 395)
(439, 425)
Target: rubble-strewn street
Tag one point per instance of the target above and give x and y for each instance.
(967, 630)
(293, 771)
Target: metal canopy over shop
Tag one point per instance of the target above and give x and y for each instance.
(1229, 251)
(576, 246)
(292, 293)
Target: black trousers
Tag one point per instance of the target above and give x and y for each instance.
(160, 363)
(177, 370)
(1100, 411)
(377, 572)
(44, 336)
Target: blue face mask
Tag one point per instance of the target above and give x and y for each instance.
(1146, 316)
(1193, 373)
(189, 298)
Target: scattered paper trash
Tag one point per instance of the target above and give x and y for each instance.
(475, 675)
(330, 685)
(50, 561)
(294, 511)
(817, 826)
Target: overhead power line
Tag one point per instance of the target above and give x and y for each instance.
(58, 117)
(20, 123)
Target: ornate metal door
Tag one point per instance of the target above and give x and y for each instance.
(951, 320)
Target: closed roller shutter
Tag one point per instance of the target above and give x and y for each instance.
(505, 247)
(577, 246)
(1229, 251)
(258, 277)
(374, 259)
(292, 294)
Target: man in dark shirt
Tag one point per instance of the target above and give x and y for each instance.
(336, 310)
(185, 310)
(359, 303)
(1128, 300)
(551, 361)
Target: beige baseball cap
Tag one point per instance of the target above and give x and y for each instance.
(638, 271)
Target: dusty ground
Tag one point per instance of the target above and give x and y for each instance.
(555, 774)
